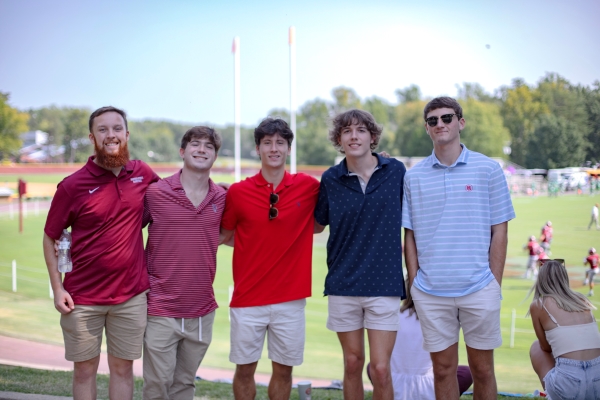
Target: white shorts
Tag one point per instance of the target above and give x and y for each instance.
(285, 324)
(349, 313)
(532, 264)
(477, 313)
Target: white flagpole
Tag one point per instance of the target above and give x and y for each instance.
(292, 40)
(236, 80)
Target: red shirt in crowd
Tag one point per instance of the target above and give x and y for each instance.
(593, 260)
(181, 251)
(532, 246)
(104, 212)
(546, 234)
(272, 259)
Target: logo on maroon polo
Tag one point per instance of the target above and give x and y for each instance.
(469, 188)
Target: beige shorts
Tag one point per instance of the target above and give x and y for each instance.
(125, 324)
(173, 351)
(477, 313)
(285, 324)
(349, 313)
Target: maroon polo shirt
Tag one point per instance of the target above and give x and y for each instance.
(181, 251)
(104, 212)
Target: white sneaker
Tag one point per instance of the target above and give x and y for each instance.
(591, 293)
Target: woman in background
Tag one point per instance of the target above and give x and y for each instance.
(566, 355)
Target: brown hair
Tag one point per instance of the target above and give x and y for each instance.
(271, 126)
(354, 117)
(443, 102)
(202, 132)
(106, 109)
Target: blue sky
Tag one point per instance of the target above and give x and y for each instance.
(172, 60)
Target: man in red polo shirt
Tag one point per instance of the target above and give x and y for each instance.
(103, 205)
(272, 216)
(184, 215)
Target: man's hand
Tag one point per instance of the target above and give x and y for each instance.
(56, 242)
(63, 301)
(384, 154)
(224, 185)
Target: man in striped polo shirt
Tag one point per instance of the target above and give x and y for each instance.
(455, 213)
(184, 216)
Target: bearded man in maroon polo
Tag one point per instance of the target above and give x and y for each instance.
(103, 204)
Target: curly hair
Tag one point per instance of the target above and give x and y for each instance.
(348, 118)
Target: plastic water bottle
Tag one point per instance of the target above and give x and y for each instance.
(64, 252)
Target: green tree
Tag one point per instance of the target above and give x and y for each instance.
(345, 99)
(484, 131)
(592, 107)
(475, 91)
(75, 136)
(411, 138)
(384, 114)
(521, 107)
(155, 141)
(556, 143)
(313, 146)
(12, 124)
(408, 94)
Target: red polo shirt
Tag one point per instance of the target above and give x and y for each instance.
(181, 251)
(104, 212)
(272, 259)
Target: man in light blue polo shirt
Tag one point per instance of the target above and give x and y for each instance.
(361, 201)
(455, 213)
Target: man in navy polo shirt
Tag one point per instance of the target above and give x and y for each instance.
(361, 200)
(103, 204)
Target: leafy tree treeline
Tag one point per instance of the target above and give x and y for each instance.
(551, 124)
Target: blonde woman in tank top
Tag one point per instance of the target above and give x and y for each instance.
(566, 355)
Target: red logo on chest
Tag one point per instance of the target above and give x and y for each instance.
(469, 188)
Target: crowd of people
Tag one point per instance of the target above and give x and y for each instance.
(454, 207)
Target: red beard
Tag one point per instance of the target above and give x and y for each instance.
(110, 161)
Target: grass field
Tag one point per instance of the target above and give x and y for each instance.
(30, 313)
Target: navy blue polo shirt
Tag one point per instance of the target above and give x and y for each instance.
(364, 251)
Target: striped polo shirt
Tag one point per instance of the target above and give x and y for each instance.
(451, 211)
(181, 251)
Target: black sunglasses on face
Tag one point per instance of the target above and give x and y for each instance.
(446, 119)
(273, 212)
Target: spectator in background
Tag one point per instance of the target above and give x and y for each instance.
(566, 356)
(533, 248)
(593, 260)
(546, 237)
(594, 219)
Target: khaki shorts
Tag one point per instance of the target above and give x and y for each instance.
(125, 324)
(477, 313)
(349, 313)
(173, 351)
(285, 324)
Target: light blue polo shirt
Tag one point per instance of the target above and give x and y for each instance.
(451, 211)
